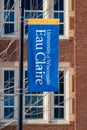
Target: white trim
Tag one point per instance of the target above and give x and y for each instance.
(2, 102)
(16, 24)
(15, 21)
(46, 110)
(66, 19)
(66, 100)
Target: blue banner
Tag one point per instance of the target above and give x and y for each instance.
(43, 56)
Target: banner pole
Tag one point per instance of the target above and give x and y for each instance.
(21, 42)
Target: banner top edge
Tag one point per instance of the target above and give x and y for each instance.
(43, 21)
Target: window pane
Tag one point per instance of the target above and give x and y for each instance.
(61, 16)
(56, 5)
(8, 4)
(8, 28)
(40, 101)
(6, 76)
(12, 76)
(9, 88)
(27, 4)
(27, 100)
(40, 15)
(9, 82)
(40, 4)
(61, 88)
(9, 16)
(34, 113)
(34, 5)
(8, 113)
(8, 101)
(56, 15)
(61, 4)
(27, 15)
(59, 100)
(61, 29)
(61, 76)
(34, 100)
(59, 113)
(40, 113)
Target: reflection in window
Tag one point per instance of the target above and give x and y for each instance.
(33, 103)
(9, 16)
(8, 94)
(59, 98)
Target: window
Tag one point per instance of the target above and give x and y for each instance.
(59, 99)
(37, 107)
(34, 9)
(59, 13)
(33, 104)
(8, 94)
(8, 18)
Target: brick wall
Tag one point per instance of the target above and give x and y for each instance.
(81, 64)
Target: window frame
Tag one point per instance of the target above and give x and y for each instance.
(15, 97)
(66, 99)
(15, 22)
(66, 19)
(48, 112)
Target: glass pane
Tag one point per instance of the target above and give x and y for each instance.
(6, 76)
(61, 16)
(61, 88)
(9, 88)
(55, 4)
(40, 101)
(8, 4)
(9, 82)
(40, 113)
(27, 100)
(12, 76)
(27, 15)
(34, 100)
(61, 76)
(8, 101)
(40, 15)
(8, 28)
(8, 113)
(9, 16)
(58, 4)
(59, 100)
(61, 29)
(31, 113)
(34, 113)
(27, 4)
(34, 5)
(40, 4)
(56, 15)
(34, 15)
(61, 4)
(58, 113)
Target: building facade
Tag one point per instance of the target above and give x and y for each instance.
(63, 110)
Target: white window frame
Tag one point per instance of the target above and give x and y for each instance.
(15, 98)
(66, 19)
(45, 105)
(16, 24)
(15, 21)
(66, 100)
(48, 112)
